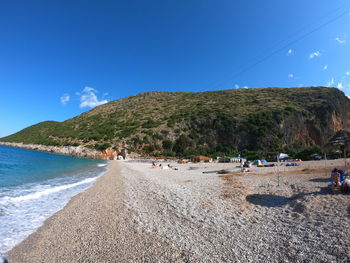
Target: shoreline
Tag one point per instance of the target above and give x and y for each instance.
(75, 151)
(47, 222)
(87, 230)
(136, 213)
(55, 194)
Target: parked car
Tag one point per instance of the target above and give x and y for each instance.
(317, 157)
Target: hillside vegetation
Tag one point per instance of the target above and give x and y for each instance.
(217, 122)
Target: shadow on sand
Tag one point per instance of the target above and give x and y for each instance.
(319, 180)
(269, 200)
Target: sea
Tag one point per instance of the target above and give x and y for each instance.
(35, 185)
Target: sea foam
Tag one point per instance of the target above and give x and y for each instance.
(6, 200)
(23, 209)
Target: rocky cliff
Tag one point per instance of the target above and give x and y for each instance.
(78, 151)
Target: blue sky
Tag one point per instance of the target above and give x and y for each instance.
(61, 58)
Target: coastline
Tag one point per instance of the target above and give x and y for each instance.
(76, 151)
(136, 213)
(92, 227)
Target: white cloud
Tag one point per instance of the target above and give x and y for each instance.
(347, 73)
(88, 98)
(340, 85)
(290, 52)
(330, 83)
(64, 99)
(314, 54)
(238, 87)
(325, 67)
(340, 41)
(291, 76)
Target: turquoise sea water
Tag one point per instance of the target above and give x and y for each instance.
(34, 185)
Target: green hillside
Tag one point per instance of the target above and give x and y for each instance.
(224, 121)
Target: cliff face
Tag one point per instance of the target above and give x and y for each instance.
(209, 122)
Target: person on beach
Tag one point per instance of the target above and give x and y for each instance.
(335, 177)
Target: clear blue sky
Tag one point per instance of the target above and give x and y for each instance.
(60, 58)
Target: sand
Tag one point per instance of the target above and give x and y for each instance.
(136, 213)
(96, 226)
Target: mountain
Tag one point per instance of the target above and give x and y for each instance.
(182, 123)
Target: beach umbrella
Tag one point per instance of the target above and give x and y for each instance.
(340, 140)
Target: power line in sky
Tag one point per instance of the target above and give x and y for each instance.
(284, 47)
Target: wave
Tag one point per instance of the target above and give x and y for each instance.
(36, 195)
(101, 165)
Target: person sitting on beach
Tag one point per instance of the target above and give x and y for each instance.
(154, 164)
(165, 167)
(335, 177)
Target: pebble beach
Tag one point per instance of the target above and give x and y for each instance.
(138, 213)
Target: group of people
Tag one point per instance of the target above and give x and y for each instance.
(154, 165)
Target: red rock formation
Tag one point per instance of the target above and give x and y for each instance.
(337, 122)
(201, 158)
(108, 154)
